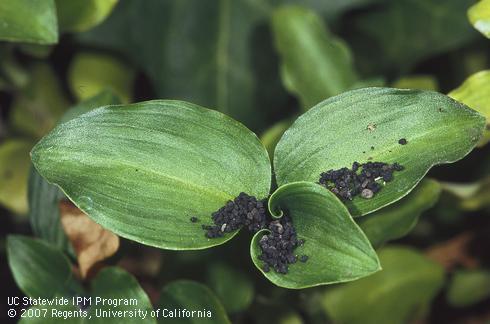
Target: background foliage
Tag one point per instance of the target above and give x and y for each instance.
(263, 63)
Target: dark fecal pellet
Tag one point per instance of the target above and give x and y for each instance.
(362, 179)
(402, 141)
(277, 247)
(372, 147)
(303, 258)
(194, 219)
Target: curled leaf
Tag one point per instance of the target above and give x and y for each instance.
(337, 250)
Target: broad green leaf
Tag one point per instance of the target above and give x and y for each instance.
(91, 73)
(335, 133)
(399, 219)
(233, 287)
(468, 287)
(143, 170)
(29, 21)
(479, 16)
(44, 198)
(14, 170)
(397, 294)
(38, 106)
(315, 64)
(474, 92)
(190, 295)
(421, 82)
(81, 15)
(116, 284)
(338, 250)
(39, 269)
(396, 35)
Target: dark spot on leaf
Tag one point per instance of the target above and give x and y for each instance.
(372, 147)
(402, 141)
(303, 258)
(194, 219)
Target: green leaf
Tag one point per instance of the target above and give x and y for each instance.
(398, 34)
(272, 135)
(81, 15)
(103, 98)
(315, 64)
(338, 250)
(233, 287)
(190, 295)
(110, 285)
(397, 294)
(39, 269)
(38, 106)
(44, 198)
(91, 73)
(116, 284)
(44, 212)
(421, 82)
(143, 170)
(327, 8)
(469, 196)
(474, 92)
(479, 16)
(14, 170)
(193, 50)
(468, 287)
(399, 219)
(29, 21)
(335, 133)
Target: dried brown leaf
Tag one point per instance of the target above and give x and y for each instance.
(92, 243)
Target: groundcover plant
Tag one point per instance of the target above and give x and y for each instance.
(245, 161)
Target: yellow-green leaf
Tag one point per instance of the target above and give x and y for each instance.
(479, 16)
(475, 92)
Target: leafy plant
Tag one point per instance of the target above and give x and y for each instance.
(332, 130)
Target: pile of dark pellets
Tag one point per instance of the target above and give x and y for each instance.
(362, 179)
(246, 211)
(278, 246)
